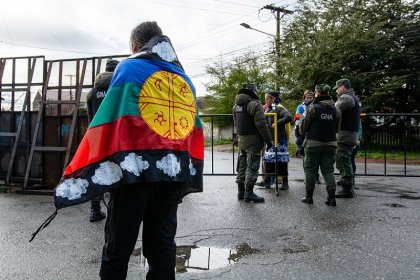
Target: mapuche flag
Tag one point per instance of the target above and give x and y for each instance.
(147, 129)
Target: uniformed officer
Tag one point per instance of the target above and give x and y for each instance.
(320, 125)
(349, 105)
(252, 132)
(93, 101)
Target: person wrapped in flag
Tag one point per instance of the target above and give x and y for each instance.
(145, 146)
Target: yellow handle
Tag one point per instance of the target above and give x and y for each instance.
(275, 127)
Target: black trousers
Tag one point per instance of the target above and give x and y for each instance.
(156, 206)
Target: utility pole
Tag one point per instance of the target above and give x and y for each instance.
(278, 10)
(71, 84)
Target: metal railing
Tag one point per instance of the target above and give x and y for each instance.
(394, 136)
(390, 144)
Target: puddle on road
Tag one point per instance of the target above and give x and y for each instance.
(197, 259)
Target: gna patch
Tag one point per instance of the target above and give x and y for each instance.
(327, 116)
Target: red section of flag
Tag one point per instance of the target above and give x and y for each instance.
(129, 133)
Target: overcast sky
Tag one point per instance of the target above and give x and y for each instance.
(201, 31)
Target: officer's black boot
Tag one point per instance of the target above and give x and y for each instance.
(285, 184)
(95, 210)
(250, 196)
(241, 191)
(331, 198)
(347, 192)
(264, 183)
(308, 199)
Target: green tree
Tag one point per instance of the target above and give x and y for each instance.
(227, 79)
(373, 43)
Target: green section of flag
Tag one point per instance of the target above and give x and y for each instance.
(121, 100)
(197, 122)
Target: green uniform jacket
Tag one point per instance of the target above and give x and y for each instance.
(345, 103)
(253, 142)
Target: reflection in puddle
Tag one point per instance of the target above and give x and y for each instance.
(196, 259)
(192, 258)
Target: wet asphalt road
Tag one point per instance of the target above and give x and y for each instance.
(373, 236)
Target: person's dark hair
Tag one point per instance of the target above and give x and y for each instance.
(143, 32)
(307, 92)
(323, 89)
(275, 95)
(249, 89)
(111, 64)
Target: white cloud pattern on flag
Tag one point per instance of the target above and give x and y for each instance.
(193, 171)
(169, 165)
(108, 173)
(72, 188)
(165, 51)
(134, 164)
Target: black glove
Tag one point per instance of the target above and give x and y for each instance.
(235, 140)
(269, 146)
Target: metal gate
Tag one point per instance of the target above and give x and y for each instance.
(55, 86)
(20, 79)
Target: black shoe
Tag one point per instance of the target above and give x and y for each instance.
(331, 202)
(331, 198)
(241, 195)
(345, 193)
(263, 184)
(252, 197)
(307, 200)
(97, 216)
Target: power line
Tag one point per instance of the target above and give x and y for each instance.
(241, 62)
(216, 33)
(50, 49)
(235, 3)
(229, 27)
(195, 8)
(205, 74)
(201, 61)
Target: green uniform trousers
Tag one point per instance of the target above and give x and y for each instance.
(344, 165)
(316, 158)
(249, 165)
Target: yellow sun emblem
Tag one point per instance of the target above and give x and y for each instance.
(167, 105)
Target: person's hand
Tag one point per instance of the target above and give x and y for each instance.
(269, 146)
(235, 141)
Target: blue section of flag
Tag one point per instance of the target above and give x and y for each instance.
(133, 70)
